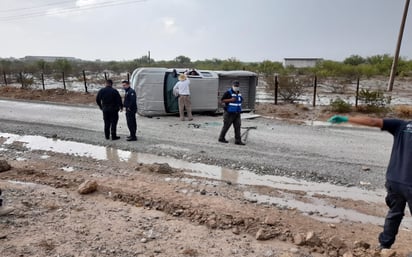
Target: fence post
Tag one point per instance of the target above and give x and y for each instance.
(357, 93)
(5, 78)
(105, 75)
(315, 84)
(85, 81)
(42, 81)
(21, 80)
(128, 77)
(64, 82)
(276, 89)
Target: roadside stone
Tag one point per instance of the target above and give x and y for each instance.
(294, 250)
(161, 168)
(235, 231)
(212, 223)
(336, 242)
(298, 239)
(262, 234)
(87, 187)
(269, 253)
(270, 220)
(143, 240)
(312, 239)
(347, 254)
(362, 244)
(388, 253)
(365, 168)
(333, 253)
(4, 166)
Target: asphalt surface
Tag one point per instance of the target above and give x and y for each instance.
(352, 156)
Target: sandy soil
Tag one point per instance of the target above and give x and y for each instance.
(142, 210)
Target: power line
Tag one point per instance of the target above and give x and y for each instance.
(69, 10)
(35, 7)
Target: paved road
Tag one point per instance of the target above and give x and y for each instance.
(319, 153)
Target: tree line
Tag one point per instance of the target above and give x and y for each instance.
(353, 66)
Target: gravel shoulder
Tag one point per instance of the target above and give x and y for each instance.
(186, 214)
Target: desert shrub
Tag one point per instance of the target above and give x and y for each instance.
(373, 101)
(404, 111)
(374, 98)
(339, 105)
(290, 88)
(25, 79)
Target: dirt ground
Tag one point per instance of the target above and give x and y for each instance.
(154, 210)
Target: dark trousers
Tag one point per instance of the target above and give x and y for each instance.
(1, 200)
(110, 118)
(131, 122)
(397, 197)
(230, 118)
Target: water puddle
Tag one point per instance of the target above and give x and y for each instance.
(321, 210)
(26, 184)
(200, 170)
(68, 169)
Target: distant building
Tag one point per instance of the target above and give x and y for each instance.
(48, 58)
(301, 62)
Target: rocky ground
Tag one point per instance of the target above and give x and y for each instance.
(141, 209)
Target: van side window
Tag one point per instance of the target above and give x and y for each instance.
(206, 74)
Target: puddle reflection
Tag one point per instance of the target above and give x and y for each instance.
(243, 177)
(320, 210)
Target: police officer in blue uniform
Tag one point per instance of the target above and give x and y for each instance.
(130, 106)
(109, 101)
(233, 107)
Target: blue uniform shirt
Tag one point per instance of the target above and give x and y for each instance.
(400, 164)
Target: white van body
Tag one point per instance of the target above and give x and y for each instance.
(154, 89)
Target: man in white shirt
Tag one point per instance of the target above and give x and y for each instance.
(182, 87)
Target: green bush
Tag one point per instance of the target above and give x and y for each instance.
(340, 106)
(373, 101)
(374, 98)
(290, 89)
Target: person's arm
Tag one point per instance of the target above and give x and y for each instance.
(227, 98)
(99, 100)
(367, 121)
(119, 100)
(360, 120)
(133, 104)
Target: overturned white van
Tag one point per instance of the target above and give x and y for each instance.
(154, 90)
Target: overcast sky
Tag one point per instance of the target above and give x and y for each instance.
(249, 30)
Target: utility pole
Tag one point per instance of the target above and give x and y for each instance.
(398, 47)
(148, 55)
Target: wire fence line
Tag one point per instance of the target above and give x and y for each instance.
(84, 81)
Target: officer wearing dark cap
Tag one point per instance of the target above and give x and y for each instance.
(233, 107)
(109, 101)
(130, 106)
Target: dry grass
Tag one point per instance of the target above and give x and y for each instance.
(403, 111)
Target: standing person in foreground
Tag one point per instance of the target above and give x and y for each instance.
(398, 175)
(130, 105)
(233, 107)
(3, 209)
(109, 101)
(183, 89)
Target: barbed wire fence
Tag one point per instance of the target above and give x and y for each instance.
(83, 81)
